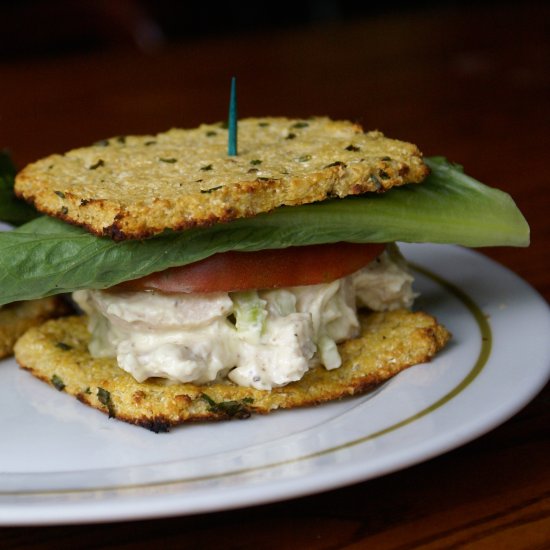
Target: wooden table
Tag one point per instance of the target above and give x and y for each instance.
(473, 86)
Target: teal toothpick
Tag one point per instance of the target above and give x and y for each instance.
(232, 123)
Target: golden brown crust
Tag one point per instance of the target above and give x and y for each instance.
(57, 353)
(138, 186)
(18, 317)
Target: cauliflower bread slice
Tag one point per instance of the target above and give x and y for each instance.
(137, 186)
(17, 317)
(57, 352)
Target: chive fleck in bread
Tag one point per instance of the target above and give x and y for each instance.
(16, 318)
(137, 186)
(57, 352)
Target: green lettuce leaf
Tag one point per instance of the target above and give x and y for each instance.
(47, 256)
(12, 209)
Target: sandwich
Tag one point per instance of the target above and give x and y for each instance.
(214, 286)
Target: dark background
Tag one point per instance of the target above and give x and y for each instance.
(46, 28)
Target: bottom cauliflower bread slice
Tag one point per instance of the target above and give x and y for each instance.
(16, 318)
(57, 353)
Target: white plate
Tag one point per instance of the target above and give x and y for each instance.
(62, 462)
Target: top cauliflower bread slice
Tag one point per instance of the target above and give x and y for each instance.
(137, 186)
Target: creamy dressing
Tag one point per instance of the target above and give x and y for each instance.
(263, 339)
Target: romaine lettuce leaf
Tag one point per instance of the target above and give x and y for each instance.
(47, 256)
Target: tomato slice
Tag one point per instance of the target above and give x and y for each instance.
(232, 271)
